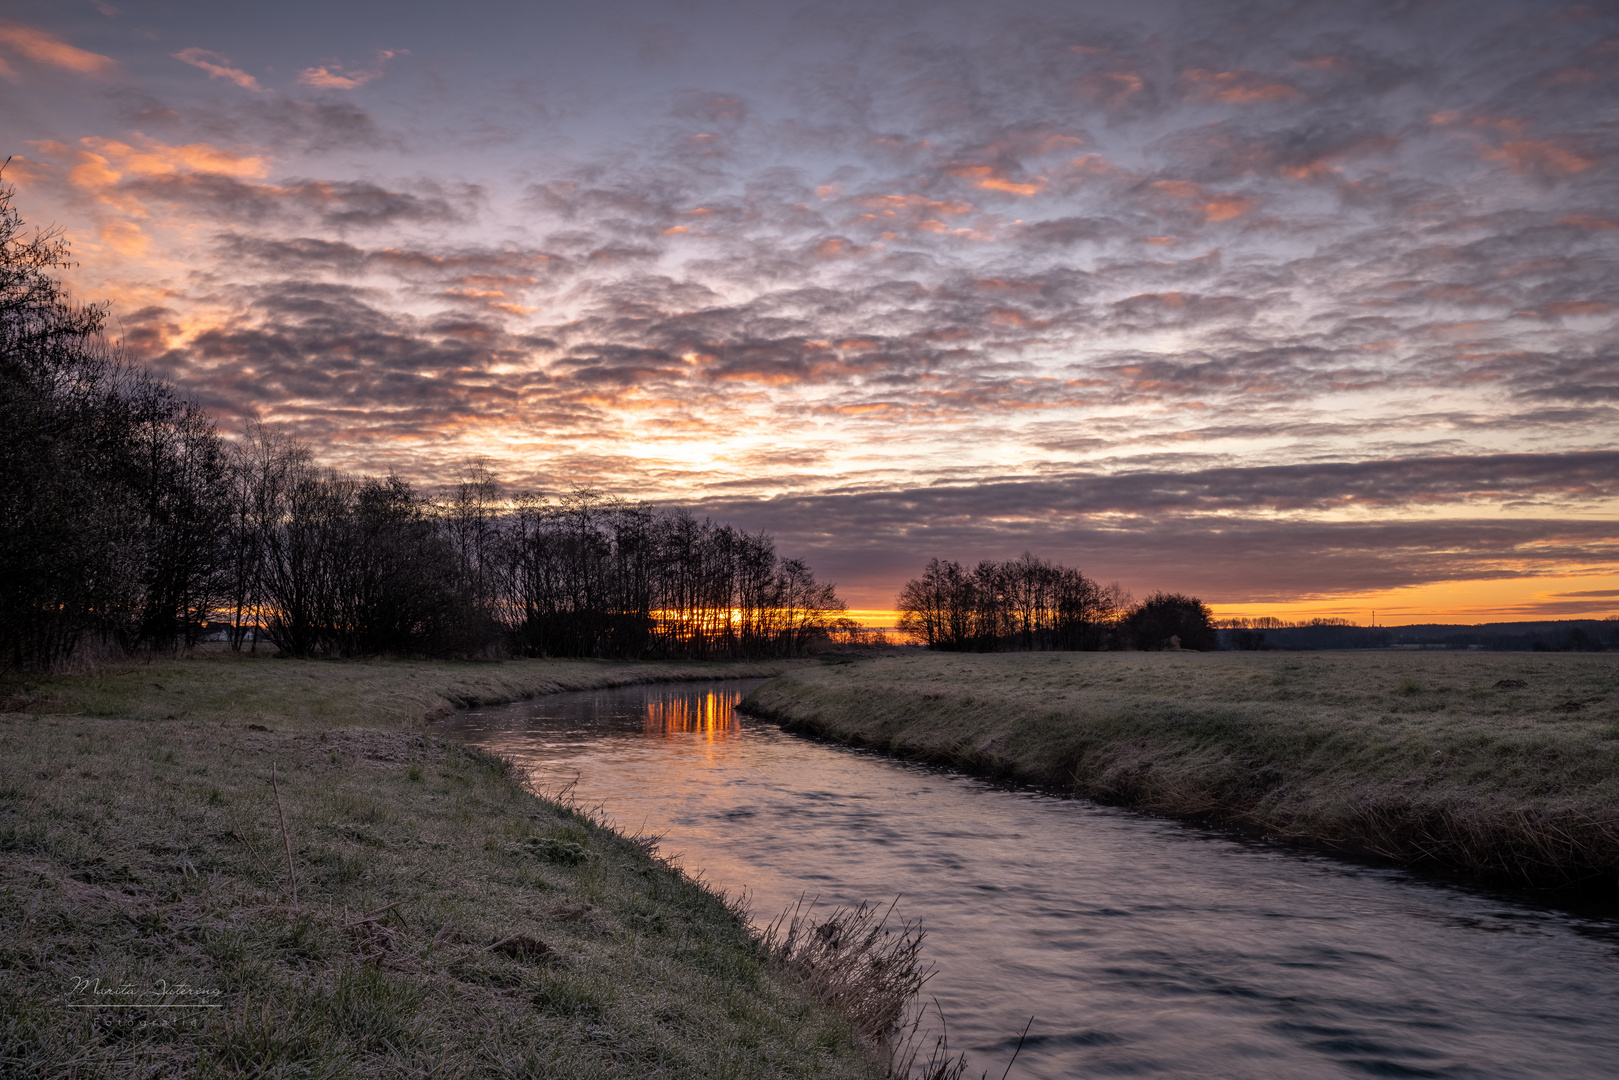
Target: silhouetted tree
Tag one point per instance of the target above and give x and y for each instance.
(1171, 620)
(1247, 640)
(1026, 603)
(591, 576)
(112, 487)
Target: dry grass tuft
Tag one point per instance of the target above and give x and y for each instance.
(851, 959)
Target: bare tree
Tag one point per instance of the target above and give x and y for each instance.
(1025, 603)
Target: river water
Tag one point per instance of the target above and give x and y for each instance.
(1141, 947)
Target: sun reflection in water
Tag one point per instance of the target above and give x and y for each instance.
(711, 714)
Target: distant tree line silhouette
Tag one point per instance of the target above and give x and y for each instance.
(127, 522)
(1568, 635)
(1031, 604)
(330, 564)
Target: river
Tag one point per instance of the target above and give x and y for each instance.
(1141, 947)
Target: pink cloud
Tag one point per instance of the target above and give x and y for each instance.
(334, 77)
(1536, 156)
(984, 176)
(1240, 87)
(43, 48)
(218, 67)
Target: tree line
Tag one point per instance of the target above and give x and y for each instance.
(1565, 635)
(128, 522)
(1031, 604)
(324, 563)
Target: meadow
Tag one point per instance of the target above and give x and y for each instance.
(330, 891)
(1502, 765)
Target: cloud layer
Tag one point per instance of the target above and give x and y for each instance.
(1336, 287)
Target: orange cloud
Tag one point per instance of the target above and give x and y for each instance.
(125, 237)
(97, 165)
(43, 48)
(218, 67)
(1026, 144)
(1174, 299)
(334, 77)
(1570, 76)
(1329, 164)
(1580, 307)
(1512, 125)
(1013, 317)
(1308, 170)
(1180, 189)
(21, 169)
(1216, 207)
(890, 205)
(1240, 87)
(1094, 165)
(1113, 88)
(153, 158)
(1226, 207)
(996, 183)
(834, 246)
(1536, 156)
(983, 176)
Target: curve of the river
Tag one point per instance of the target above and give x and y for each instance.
(1142, 947)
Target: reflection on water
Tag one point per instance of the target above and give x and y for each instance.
(711, 714)
(1143, 948)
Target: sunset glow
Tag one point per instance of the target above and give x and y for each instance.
(1309, 312)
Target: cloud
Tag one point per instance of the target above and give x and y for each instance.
(1164, 530)
(285, 126)
(41, 47)
(218, 67)
(1241, 87)
(1290, 285)
(334, 77)
(1536, 157)
(199, 178)
(150, 157)
(50, 51)
(1213, 207)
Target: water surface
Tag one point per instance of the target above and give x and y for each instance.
(1143, 948)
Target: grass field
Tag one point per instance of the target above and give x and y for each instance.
(1501, 764)
(447, 922)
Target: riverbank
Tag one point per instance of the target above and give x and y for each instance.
(446, 922)
(1503, 765)
(311, 694)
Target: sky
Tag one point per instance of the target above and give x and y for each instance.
(1307, 309)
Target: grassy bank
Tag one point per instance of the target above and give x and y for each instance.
(1501, 764)
(312, 694)
(446, 923)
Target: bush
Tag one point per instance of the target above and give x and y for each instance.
(1170, 620)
